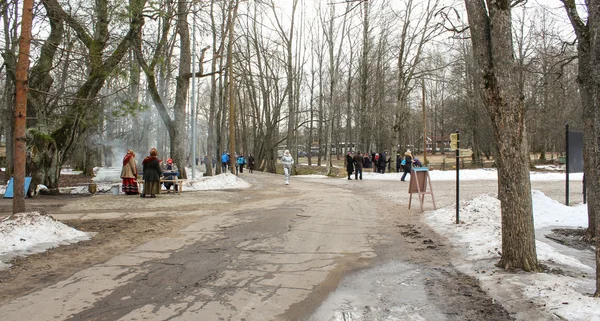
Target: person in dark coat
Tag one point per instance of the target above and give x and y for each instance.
(349, 165)
(152, 174)
(250, 163)
(367, 161)
(398, 162)
(358, 164)
(407, 164)
(382, 161)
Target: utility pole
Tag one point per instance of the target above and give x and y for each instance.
(424, 123)
(193, 99)
(19, 138)
(230, 77)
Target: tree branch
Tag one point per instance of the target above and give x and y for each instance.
(80, 30)
(581, 29)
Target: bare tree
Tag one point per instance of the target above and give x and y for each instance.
(288, 41)
(334, 72)
(417, 30)
(176, 125)
(588, 50)
(51, 145)
(491, 35)
(10, 23)
(261, 76)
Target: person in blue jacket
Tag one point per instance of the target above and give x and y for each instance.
(241, 162)
(224, 162)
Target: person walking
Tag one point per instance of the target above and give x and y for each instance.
(129, 174)
(398, 162)
(241, 162)
(152, 174)
(349, 164)
(250, 163)
(358, 165)
(382, 162)
(236, 164)
(407, 164)
(376, 163)
(287, 161)
(224, 162)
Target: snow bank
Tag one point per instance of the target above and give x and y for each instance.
(221, 181)
(478, 237)
(29, 233)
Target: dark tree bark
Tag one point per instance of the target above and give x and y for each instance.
(588, 52)
(491, 35)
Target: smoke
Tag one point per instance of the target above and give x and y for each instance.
(107, 175)
(113, 151)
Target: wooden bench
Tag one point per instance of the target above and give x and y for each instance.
(176, 182)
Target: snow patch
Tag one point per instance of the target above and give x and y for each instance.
(28, 233)
(218, 182)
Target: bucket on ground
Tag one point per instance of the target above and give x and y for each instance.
(115, 189)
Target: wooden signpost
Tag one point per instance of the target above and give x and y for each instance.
(419, 178)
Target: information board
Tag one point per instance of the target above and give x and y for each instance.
(419, 179)
(575, 146)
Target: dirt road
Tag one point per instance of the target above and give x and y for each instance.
(318, 249)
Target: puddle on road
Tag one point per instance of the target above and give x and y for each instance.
(394, 291)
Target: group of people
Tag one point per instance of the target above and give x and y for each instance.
(240, 162)
(152, 172)
(355, 162)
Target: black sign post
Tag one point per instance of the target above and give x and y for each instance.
(457, 170)
(567, 164)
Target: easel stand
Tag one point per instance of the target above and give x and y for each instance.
(9, 193)
(419, 178)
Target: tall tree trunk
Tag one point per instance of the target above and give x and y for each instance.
(232, 15)
(491, 35)
(177, 130)
(20, 115)
(211, 141)
(588, 51)
(588, 54)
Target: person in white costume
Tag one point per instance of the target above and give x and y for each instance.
(287, 161)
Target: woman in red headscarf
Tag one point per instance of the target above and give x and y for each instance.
(168, 173)
(129, 174)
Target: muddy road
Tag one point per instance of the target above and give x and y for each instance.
(318, 249)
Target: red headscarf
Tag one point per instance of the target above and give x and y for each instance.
(127, 157)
